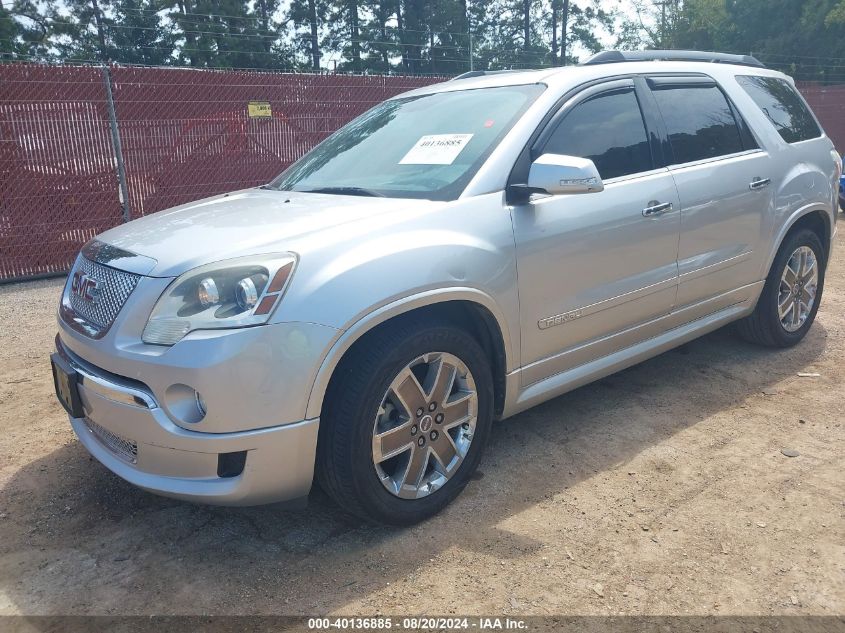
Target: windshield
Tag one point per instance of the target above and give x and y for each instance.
(417, 147)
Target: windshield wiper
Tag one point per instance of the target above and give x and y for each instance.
(346, 191)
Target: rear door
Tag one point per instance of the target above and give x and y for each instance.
(724, 183)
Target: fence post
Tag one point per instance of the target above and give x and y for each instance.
(118, 149)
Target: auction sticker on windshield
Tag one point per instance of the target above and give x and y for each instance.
(436, 149)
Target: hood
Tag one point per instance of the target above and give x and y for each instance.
(249, 222)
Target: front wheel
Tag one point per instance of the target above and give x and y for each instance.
(790, 298)
(405, 422)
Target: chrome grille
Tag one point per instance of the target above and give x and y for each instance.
(113, 289)
(127, 450)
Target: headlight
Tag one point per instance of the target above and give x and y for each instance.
(229, 294)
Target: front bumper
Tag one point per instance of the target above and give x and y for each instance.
(126, 429)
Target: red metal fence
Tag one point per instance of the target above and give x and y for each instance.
(58, 185)
(187, 134)
(184, 134)
(828, 102)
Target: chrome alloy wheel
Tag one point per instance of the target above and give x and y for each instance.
(425, 425)
(798, 288)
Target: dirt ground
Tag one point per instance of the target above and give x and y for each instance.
(660, 490)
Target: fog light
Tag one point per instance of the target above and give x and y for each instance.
(184, 404)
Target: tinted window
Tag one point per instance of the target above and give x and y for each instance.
(782, 105)
(609, 130)
(699, 121)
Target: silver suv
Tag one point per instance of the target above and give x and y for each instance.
(457, 254)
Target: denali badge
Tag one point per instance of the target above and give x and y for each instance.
(85, 287)
(552, 321)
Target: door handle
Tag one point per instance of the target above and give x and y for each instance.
(759, 183)
(657, 208)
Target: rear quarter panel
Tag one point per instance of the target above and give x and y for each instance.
(804, 174)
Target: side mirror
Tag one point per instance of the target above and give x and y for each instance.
(558, 174)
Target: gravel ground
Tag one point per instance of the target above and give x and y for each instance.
(660, 490)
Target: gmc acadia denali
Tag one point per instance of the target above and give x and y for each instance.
(458, 253)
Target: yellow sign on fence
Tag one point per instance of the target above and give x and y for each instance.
(259, 109)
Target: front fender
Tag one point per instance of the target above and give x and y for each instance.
(394, 309)
(339, 286)
(354, 277)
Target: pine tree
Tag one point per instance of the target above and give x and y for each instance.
(501, 39)
(136, 34)
(79, 31)
(344, 37)
(801, 38)
(449, 52)
(228, 33)
(413, 35)
(379, 34)
(582, 24)
(305, 18)
(24, 31)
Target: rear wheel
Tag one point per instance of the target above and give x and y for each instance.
(405, 422)
(790, 299)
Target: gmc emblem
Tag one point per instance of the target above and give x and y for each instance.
(85, 287)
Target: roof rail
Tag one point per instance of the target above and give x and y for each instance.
(614, 57)
(482, 73)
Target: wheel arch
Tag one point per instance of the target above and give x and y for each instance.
(468, 308)
(816, 218)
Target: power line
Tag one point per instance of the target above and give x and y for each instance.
(334, 43)
(320, 23)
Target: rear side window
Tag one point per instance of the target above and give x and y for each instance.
(699, 121)
(609, 130)
(783, 107)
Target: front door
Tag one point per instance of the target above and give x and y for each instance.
(595, 266)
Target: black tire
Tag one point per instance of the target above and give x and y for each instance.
(345, 466)
(763, 326)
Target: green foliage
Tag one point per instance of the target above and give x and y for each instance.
(836, 15)
(137, 35)
(304, 17)
(413, 36)
(24, 32)
(74, 30)
(805, 38)
(226, 33)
